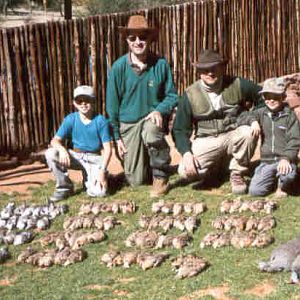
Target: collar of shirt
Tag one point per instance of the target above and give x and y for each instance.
(136, 68)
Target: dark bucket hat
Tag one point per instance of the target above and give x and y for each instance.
(209, 58)
(138, 24)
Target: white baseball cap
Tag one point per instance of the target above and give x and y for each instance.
(84, 90)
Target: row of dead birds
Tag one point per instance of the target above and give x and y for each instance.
(8, 237)
(87, 222)
(237, 205)
(184, 266)
(152, 239)
(178, 208)
(244, 223)
(49, 257)
(238, 240)
(188, 223)
(26, 217)
(124, 207)
(67, 248)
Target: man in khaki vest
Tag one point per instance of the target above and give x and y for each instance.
(211, 107)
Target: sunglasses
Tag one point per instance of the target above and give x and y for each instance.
(273, 97)
(132, 38)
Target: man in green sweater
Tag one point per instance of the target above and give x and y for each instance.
(140, 98)
(211, 107)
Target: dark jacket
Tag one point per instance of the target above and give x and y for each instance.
(195, 110)
(280, 133)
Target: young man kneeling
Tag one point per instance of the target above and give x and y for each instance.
(89, 133)
(279, 128)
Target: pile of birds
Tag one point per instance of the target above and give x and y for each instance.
(26, 217)
(244, 223)
(49, 257)
(9, 237)
(152, 239)
(145, 260)
(237, 205)
(176, 208)
(188, 223)
(238, 240)
(242, 231)
(188, 266)
(124, 207)
(91, 221)
(73, 240)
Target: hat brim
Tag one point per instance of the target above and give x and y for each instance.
(90, 98)
(200, 65)
(152, 32)
(272, 92)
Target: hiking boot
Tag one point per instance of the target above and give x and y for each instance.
(160, 187)
(60, 195)
(238, 184)
(279, 194)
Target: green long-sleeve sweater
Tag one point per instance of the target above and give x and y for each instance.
(130, 96)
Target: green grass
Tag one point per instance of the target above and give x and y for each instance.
(90, 279)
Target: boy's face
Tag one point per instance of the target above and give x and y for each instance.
(274, 101)
(84, 104)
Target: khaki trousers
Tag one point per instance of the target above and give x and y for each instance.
(236, 146)
(148, 153)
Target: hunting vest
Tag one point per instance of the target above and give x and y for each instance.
(209, 121)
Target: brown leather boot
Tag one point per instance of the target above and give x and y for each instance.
(159, 188)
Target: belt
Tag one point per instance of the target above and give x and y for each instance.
(80, 151)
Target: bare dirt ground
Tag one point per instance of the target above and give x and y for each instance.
(19, 179)
(21, 16)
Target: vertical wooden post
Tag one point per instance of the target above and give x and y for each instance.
(68, 9)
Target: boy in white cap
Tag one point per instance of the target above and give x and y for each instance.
(279, 129)
(89, 133)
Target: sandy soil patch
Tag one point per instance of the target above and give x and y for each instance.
(218, 293)
(262, 290)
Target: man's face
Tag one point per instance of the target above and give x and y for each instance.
(274, 101)
(84, 104)
(138, 43)
(211, 75)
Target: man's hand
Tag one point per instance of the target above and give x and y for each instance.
(64, 157)
(121, 148)
(190, 164)
(156, 118)
(284, 167)
(297, 112)
(103, 179)
(255, 129)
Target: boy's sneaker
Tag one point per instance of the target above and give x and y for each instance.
(238, 184)
(96, 191)
(279, 194)
(160, 187)
(60, 195)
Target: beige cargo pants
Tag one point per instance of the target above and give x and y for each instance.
(236, 146)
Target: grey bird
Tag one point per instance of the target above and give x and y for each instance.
(4, 254)
(285, 257)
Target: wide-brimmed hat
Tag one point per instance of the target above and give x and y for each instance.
(138, 24)
(84, 90)
(209, 58)
(274, 85)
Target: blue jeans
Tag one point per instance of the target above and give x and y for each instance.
(266, 176)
